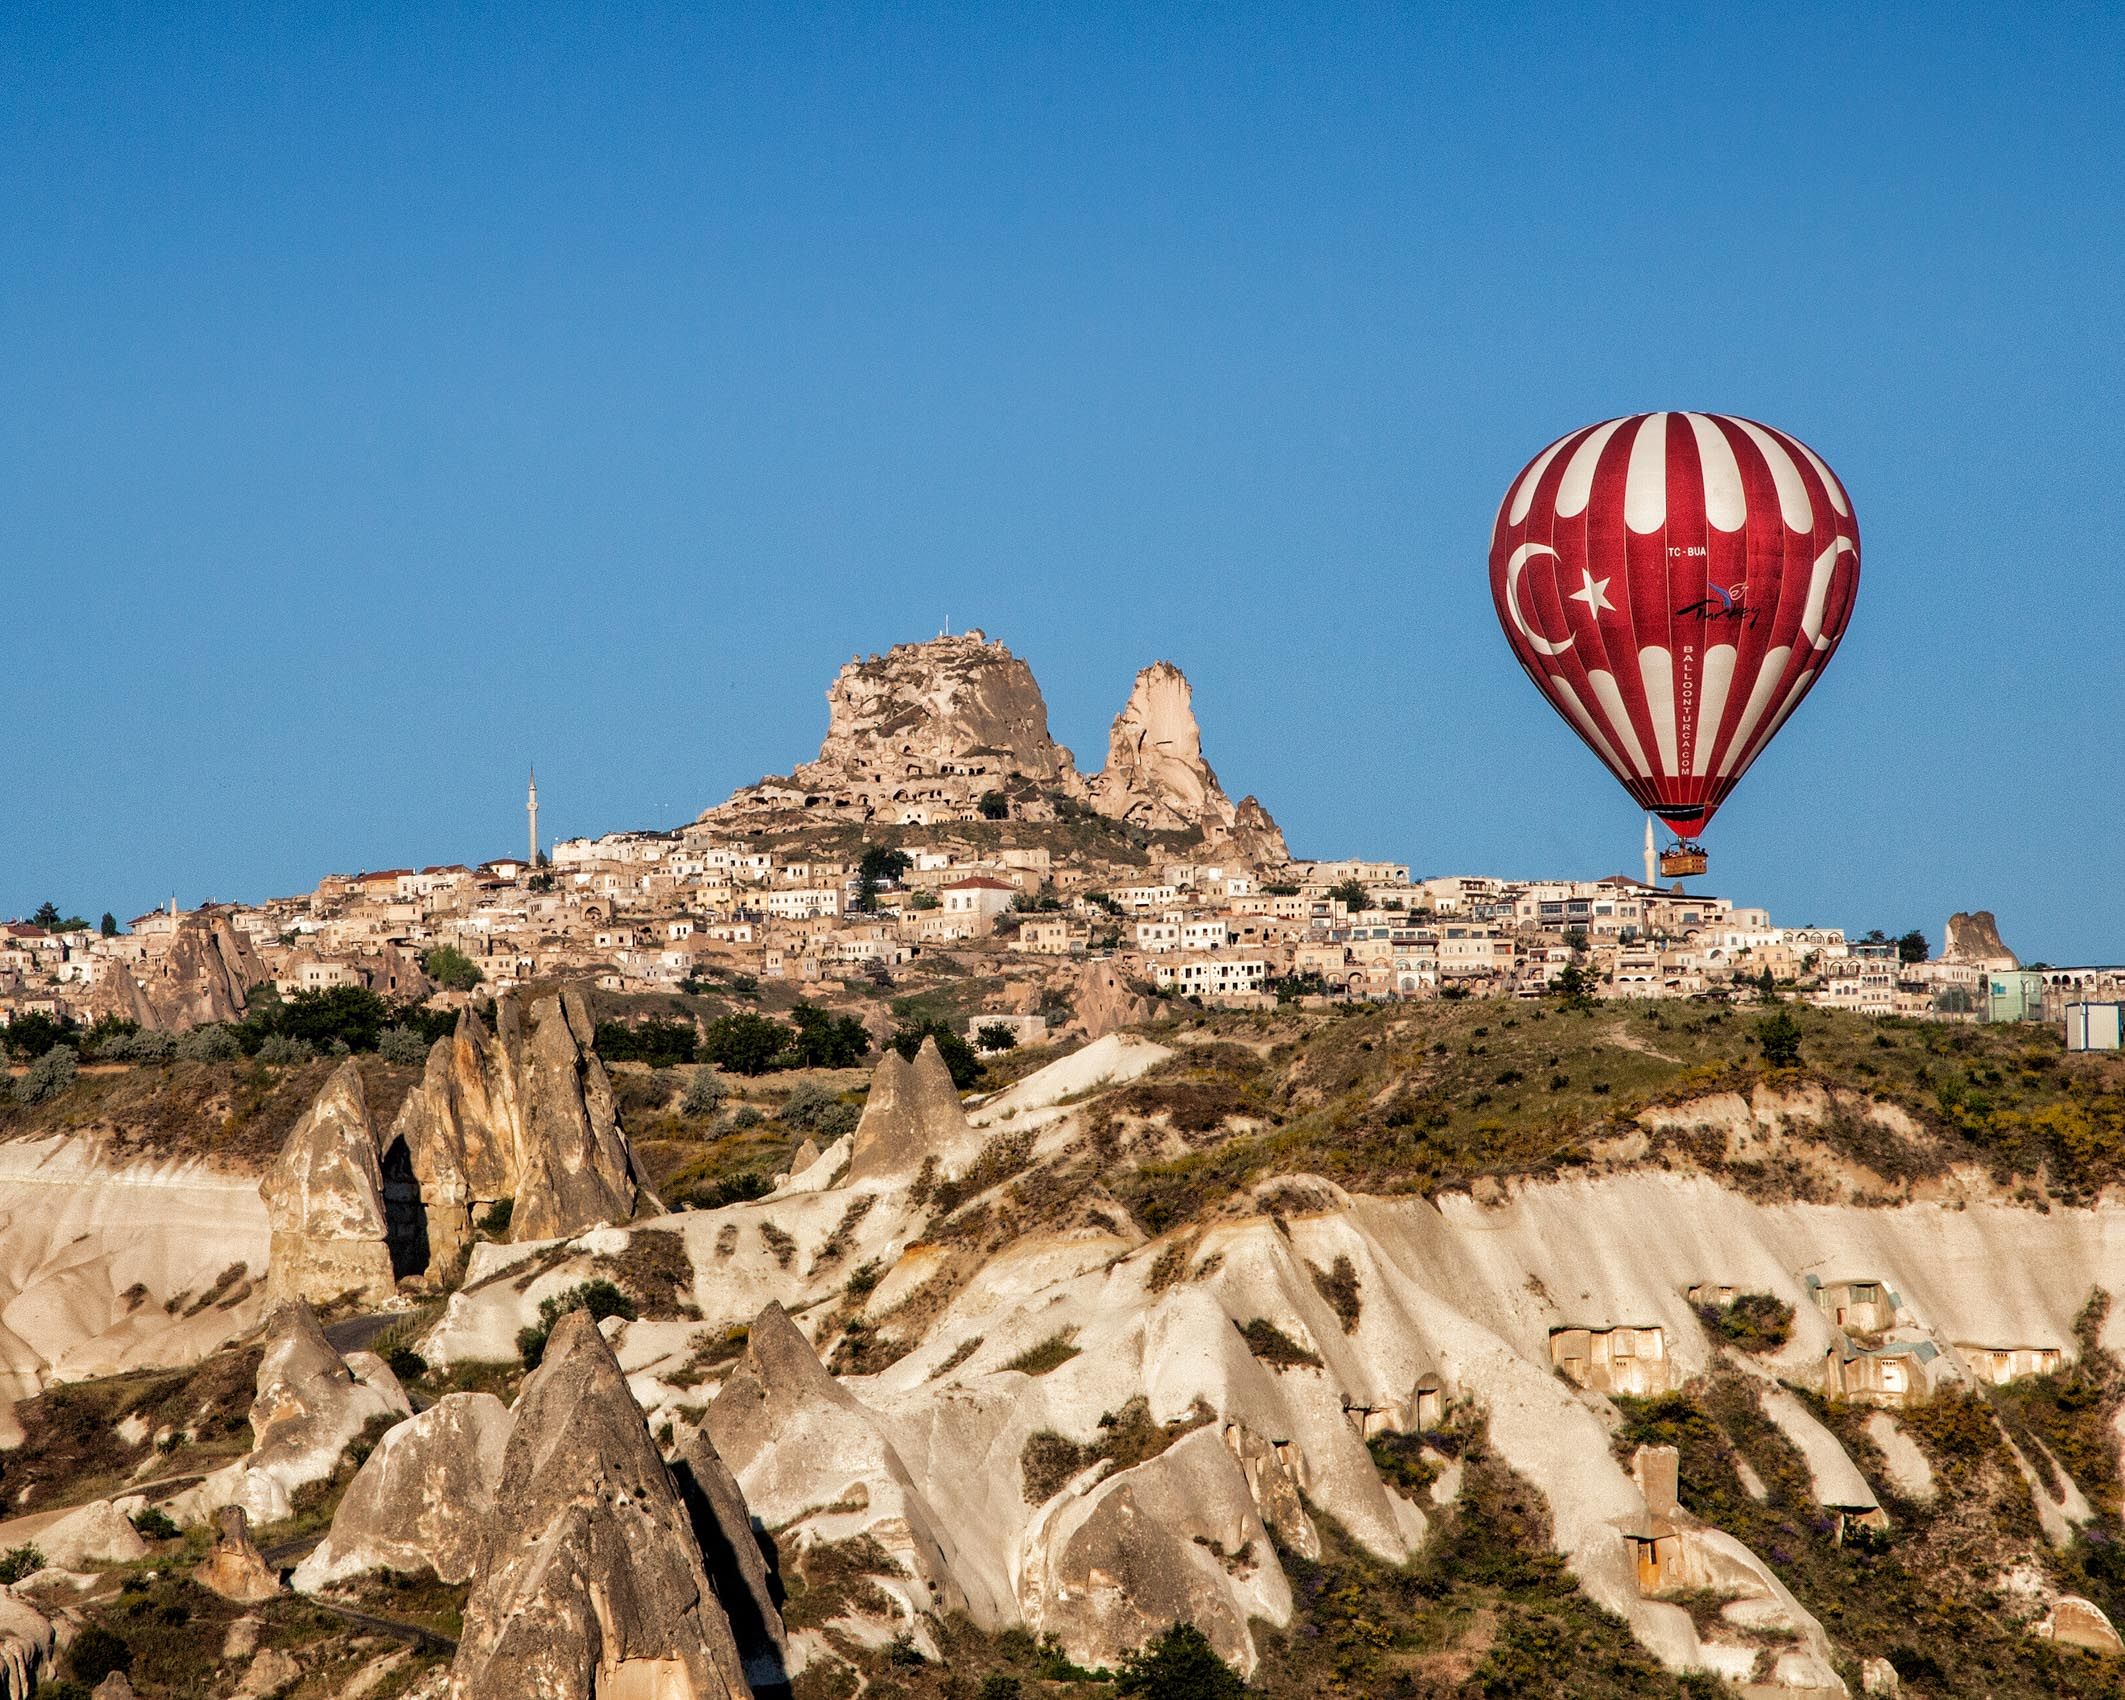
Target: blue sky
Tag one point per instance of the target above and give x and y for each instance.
(394, 396)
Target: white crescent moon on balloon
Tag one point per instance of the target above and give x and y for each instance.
(1519, 559)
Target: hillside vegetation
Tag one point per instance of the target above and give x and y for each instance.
(1401, 1100)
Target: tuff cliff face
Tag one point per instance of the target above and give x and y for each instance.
(1274, 1355)
(325, 1198)
(1975, 939)
(1158, 777)
(925, 729)
(202, 977)
(523, 1112)
(1156, 774)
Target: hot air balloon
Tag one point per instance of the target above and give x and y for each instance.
(1674, 583)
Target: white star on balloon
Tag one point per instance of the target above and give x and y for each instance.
(1594, 593)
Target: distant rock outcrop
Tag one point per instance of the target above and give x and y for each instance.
(1175, 1540)
(927, 731)
(1106, 1002)
(524, 1112)
(325, 1197)
(1155, 774)
(458, 1132)
(1974, 939)
(921, 733)
(591, 1585)
(202, 976)
(423, 1498)
(1255, 837)
(913, 1112)
(574, 1167)
(95, 1533)
(2075, 1622)
(27, 1644)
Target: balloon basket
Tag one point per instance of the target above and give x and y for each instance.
(1681, 861)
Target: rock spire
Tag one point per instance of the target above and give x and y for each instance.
(325, 1198)
(591, 1582)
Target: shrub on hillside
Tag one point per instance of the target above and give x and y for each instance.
(149, 1045)
(97, 1653)
(814, 1110)
(400, 1045)
(1274, 1347)
(213, 1042)
(281, 1048)
(1179, 1665)
(51, 1074)
(704, 1093)
(600, 1297)
(1756, 1322)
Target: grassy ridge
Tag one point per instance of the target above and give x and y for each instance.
(1423, 1098)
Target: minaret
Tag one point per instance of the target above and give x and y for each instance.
(1652, 861)
(531, 810)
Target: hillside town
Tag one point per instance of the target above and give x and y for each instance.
(942, 830)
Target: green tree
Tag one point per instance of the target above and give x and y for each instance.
(1766, 985)
(400, 1045)
(97, 1652)
(450, 968)
(108, 926)
(1575, 986)
(996, 1036)
(1351, 894)
(1912, 947)
(47, 1077)
(995, 806)
(744, 1043)
(32, 1033)
(47, 915)
(704, 1093)
(879, 865)
(826, 1040)
(653, 1040)
(1180, 1665)
(349, 1015)
(1778, 1036)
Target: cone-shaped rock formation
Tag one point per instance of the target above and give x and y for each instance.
(422, 1500)
(591, 1583)
(324, 1195)
(913, 1112)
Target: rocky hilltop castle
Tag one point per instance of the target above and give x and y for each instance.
(956, 729)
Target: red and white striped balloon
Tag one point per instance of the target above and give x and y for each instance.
(1674, 583)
